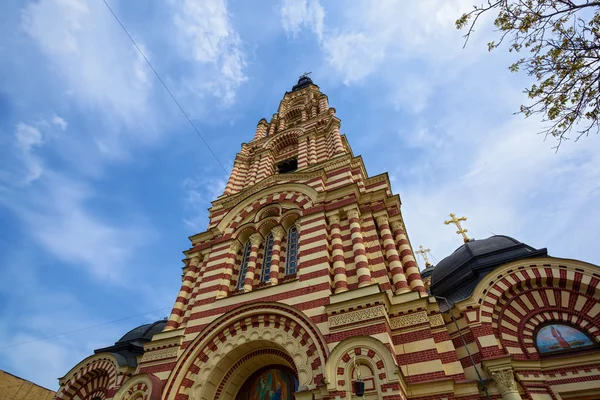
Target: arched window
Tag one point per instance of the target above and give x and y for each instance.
(244, 265)
(556, 337)
(266, 268)
(291, 263)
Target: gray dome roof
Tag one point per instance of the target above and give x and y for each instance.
(427, 271)
(131, 346)
(456, 276)
(143, 333)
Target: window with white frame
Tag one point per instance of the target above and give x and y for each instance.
(266, 268)
(291, 263)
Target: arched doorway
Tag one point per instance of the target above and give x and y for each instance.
(273, 382)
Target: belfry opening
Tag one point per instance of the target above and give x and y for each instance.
(305, 286)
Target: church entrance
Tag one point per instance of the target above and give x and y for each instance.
(273, 382)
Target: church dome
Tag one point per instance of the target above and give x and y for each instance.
(456, 276)
(131, 345)
(143, 333)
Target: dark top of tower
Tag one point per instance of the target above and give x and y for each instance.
(456, 276)
(131, 345)
(303, 82)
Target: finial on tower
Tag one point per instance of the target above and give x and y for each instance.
(423, 253)
(305, 75)
(456, 221)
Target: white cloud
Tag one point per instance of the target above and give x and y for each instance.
(200, 191)
(206, 36)
(296, 14)
(90, 52)
(27, 139)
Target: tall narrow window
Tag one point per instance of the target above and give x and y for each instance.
(244, 265)
(291, 263)
(266, 268)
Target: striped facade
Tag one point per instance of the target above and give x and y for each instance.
(337, 290)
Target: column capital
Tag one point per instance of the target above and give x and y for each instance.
(256, 239)
(397, 224)
(278, 232)
(235, 246)
(505, 380)
(353, 212)
(195, 260)
(334, 218)
(382, 220)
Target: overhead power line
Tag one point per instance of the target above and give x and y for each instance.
(166, 88)
(81, 329)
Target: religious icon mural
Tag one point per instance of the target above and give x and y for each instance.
(270, 383)
(558, 337)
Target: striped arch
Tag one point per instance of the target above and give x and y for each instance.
(365, 350)
(96, 376)
(278, 142)
(141, 387)
(299, 195)
(518, 298)
(285, 331)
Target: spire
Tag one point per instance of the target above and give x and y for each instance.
(303, 81)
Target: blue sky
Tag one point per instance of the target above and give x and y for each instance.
(102, 179)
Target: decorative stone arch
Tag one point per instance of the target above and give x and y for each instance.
(520, 296)
(271, 210)
(300, 195)
(95, 376)
(284, 139)
(140, 387)
(292, 339)
(369, 351)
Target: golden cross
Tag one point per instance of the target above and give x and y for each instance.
(305, 75)
(423, 253)
(456, 221)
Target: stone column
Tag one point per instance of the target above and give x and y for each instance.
(229, 188)
(184, 294)
(360, 254)
(505, 381)
(340, 281)
(197, 282)
(261, 129)
(278, 234)
(302, 152)
(273, 124)
(312, 150)
(411, 270)
(255, 241)
(304, 116)
(392, 257)
(234, 249)
(338, 146)
(253, 171)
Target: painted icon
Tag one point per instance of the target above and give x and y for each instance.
(272, 383)
(557, 337)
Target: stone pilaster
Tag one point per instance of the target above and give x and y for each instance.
(255, 241)
(391, 254)
(338, 146)
(411, 269)
(340, 282)
(228, 270)
(360, 254)
(278, 233)
(253, 171)
(261, 129)
(312, 150)
(302, 153)
(506, 384)
(182, 298)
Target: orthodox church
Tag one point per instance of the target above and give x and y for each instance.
(305, 286)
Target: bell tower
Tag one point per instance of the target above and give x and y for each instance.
(301, 238)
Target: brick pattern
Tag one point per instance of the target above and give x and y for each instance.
(99, 376)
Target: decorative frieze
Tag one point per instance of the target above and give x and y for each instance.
(358, 316)
(409, 320)
(159, 354)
